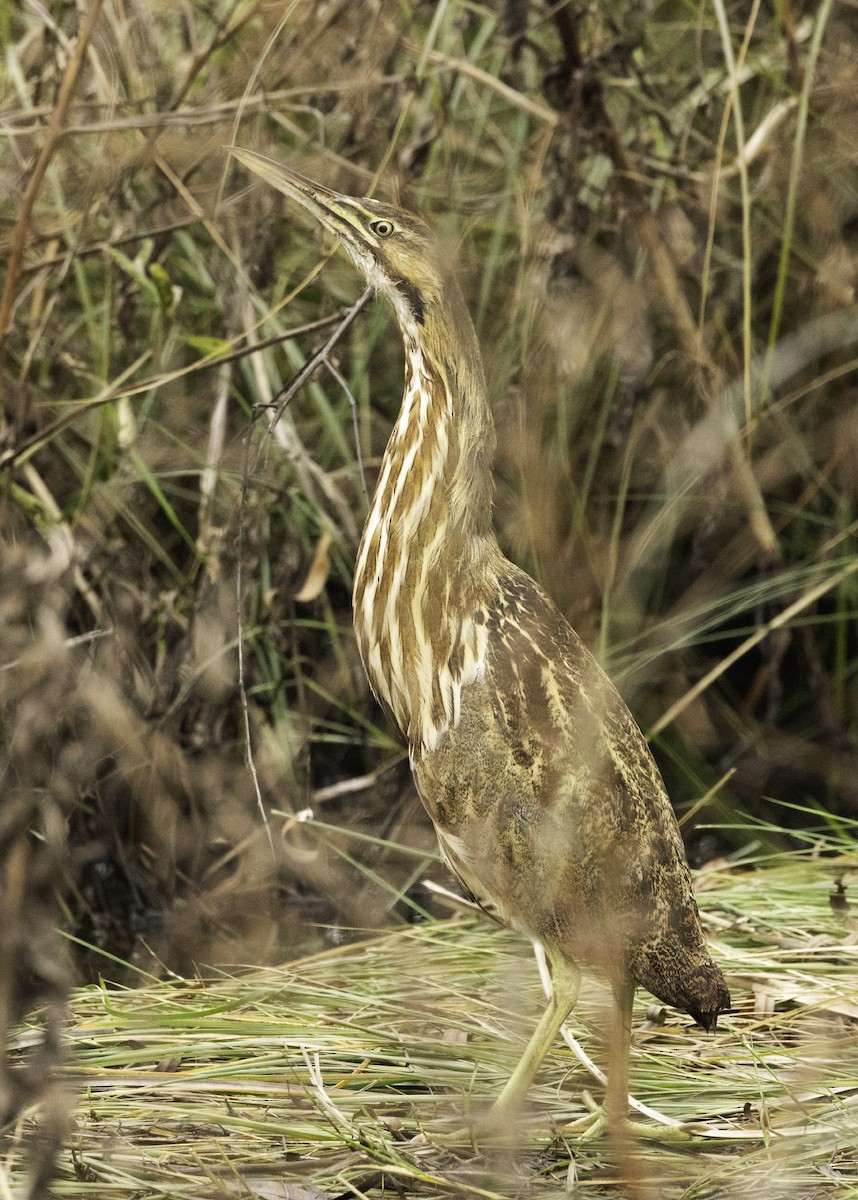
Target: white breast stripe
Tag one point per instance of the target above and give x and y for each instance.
(409, 687)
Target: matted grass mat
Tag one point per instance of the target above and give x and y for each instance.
(359, 1071)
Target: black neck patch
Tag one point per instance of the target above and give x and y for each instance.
(415, 300)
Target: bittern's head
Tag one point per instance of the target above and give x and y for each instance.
(394, 249)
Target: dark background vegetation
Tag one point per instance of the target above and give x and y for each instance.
(654, 212)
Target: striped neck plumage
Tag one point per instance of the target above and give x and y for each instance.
(428, 545)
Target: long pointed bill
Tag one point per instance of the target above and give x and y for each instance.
(335, 212)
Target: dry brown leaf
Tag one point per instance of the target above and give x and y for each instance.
(317, 576)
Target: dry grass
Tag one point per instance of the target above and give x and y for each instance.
(357, 1071)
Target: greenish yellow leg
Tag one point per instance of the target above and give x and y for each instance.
(613, 1116)
(614, 1113)
(617, 1091)
(566, 980)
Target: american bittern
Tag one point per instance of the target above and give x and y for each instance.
(547, 802)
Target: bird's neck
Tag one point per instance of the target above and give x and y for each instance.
(428, 547)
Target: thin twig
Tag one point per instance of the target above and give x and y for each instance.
(55, 129)
(239, 608)
(516, 99)
(822, 16)
(213, 113)
(278, 407)
(673, 297)
(285, 397)
(353, 405)
(783, 618)
(114, 390)
(734, 69)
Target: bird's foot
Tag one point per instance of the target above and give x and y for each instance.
(598, 1121)
(593, 1123)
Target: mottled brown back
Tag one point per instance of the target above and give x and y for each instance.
(551, 810)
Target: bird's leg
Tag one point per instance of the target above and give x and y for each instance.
(566, 980)
(617, 1091)
(614, 1112)
(613, 1115)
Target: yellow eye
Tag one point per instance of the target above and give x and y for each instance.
(382, 228)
